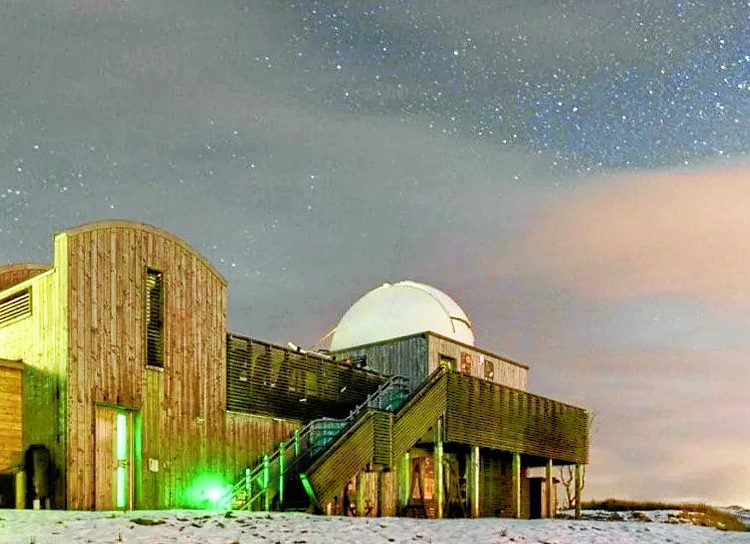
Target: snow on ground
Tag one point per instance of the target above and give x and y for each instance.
(40, 527)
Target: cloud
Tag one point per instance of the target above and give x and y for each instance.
(684, 234)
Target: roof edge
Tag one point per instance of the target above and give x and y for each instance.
(138, 225)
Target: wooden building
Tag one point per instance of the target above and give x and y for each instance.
(115, 360)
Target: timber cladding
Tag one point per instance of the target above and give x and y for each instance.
(476, 362)
(498, 417)
(11, 415)
(182, 404)
(13, 274)
(347, 456)
(273, 381)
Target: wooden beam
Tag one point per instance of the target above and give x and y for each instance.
(516, 484)
(474, 481)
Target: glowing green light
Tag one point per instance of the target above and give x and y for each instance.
(213, 494)
(122, 476)
(122, 457)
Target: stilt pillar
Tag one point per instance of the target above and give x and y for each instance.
(439, 493)
(579, 487)
(516, 484)
(404, 481)
(361, 493)
(549, 489)
(474, 481)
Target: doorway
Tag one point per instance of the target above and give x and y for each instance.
(113, 470)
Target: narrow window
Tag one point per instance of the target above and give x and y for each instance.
(467, 362)
(15, 306)
(489, 370)
(154, 317)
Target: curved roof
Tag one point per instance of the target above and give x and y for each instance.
(15, 273)
(137, 225)
(401, 309)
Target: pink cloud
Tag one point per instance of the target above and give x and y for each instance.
(679, 233)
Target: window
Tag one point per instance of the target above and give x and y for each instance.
(154, 318)
(448, 362)
(15, 306)
(489, 370)
(467, 362)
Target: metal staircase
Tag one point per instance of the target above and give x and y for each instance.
(275, 482)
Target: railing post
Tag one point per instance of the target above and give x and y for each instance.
(266, 483)
(296, 442)
(282, 467)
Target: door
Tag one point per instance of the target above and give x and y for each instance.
(113, 474)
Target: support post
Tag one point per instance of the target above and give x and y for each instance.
(439, 492)
(282, 469)
(266, 483)
(361, 493)
(548, 487)
(578, 491)
(20, 489)
(296, 442)
(474, 481)
(404, 481)
(516, 484)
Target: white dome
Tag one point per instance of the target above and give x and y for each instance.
(400, 309)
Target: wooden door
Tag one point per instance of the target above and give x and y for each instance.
(113, 475)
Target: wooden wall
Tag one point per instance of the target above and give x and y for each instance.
(11, 415)
(416, 356)
(405, 357)
(270, 380)
(39, 340)
(249, 437)
(505, 371)
(13, 274)
(182, 404)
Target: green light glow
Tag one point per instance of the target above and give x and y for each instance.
(122, 457)
(122, 437)
(207, 491)
(213, 494)
(122, 475)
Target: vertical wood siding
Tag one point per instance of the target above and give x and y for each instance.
(11, 416)
(405, 357)
(40, 341)
(13, 274)
(505, 372)
(182, 405)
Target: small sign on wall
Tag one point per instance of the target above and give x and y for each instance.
(153, 465)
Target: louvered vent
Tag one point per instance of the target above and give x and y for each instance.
(15, 306)
(154, 317)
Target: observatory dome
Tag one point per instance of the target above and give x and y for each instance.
(400, 309)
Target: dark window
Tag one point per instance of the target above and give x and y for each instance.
(466, 363)
(154, 317)
(489, 370)
(448, 362)
(15, 306)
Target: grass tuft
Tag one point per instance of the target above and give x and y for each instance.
(696, 513)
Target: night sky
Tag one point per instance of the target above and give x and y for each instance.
(573, 173)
